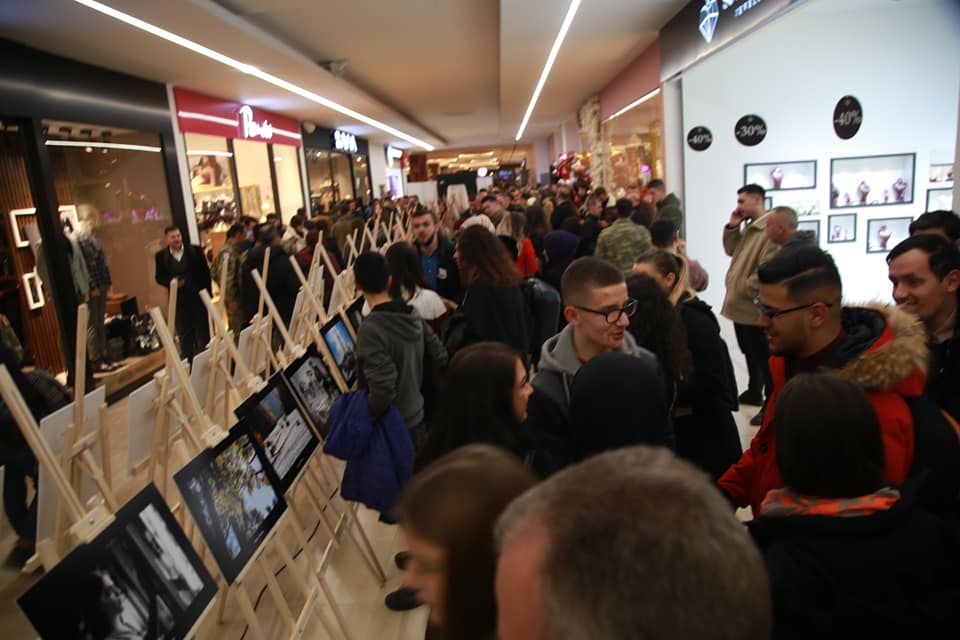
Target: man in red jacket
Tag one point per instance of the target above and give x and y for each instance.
(880, 348)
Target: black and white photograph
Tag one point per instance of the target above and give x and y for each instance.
(939, 199)
(232, 498)
(872, 181)
(276, 423)
(810, 225)
(315, 386)
(340, 343)
(140, 578)
(842, 227)
(884, 234)
(782, 176)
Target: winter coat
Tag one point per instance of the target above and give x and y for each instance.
(748, 248)
(499, 314)
(379, 453)
(884, 352)
(943, 380)
(544, 304)
(448, 274)
(669, 208)
(892, 574)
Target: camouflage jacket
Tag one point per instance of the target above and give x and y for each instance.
(622, 243)
(231, 254)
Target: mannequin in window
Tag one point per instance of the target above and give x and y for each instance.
(99, 282)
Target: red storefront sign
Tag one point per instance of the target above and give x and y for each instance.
(199, 113)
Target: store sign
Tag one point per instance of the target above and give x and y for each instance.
(750, 130)
(199, 113)
(250, 128)
(703, 26)
(346, 142)
(847, 117)
(700, 138)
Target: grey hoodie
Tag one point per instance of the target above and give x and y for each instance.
(392, 344)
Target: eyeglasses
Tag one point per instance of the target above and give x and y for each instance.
(771, 313)
(613, 316)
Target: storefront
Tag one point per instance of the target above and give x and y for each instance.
(242, 161)
(338, 167)
(85, 153)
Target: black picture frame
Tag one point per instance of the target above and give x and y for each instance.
(315, 387)
(237, 470)
(354, 314)
(858, 167)
(280, 427)
(899, 229)
(142, 564)
(760, 173)
(931, 206)
(342, 349)
(845, 221)
(810, 225)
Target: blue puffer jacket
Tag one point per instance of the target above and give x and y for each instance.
(379, 454)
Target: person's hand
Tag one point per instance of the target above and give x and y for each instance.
(181, 282)
(449, 304)
(736, 218)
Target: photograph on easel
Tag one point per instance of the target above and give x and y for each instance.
(233, 500)
(139, 578)
(354, 314)
(274, 419)
(340, 343)
(315, 386)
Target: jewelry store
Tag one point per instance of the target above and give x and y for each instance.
(338, 167)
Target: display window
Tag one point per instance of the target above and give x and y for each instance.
(212, 179)
(286, 168)
(636, 148)
(319, 173)
(253, 174)
(361, 178)
(342, 175)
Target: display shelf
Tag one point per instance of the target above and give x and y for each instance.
(872, 181)
(782, 176)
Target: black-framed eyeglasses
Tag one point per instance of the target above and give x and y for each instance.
(771, 313)
(613, 316)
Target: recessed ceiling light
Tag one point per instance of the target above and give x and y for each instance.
(251, 70)
(636, 103)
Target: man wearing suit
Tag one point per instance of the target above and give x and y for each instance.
(185, 267)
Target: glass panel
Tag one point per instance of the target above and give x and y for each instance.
(320, 181)
(286, 162)
(253, 174)
(116, 180)
(361, 178)
(635, 146)
(342, 178)
(214, 196)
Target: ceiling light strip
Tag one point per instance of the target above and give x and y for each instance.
(102, 145)
(251, 70)
(191, 115)
(219, 154)
(567, 21)
(636, 103)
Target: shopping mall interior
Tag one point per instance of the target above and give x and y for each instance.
(203, 496)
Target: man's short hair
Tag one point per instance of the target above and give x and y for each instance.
(787, 216)
(624, 207)
(803, 269)
(371, 271)
(266, 233)
(298, 220)
(943, 255)
(172, 227)
(489, 198)
(235, 230)
(641, 544)
(564, 193)
(657, 183)
(663, 233)
(421, 211)
(586, 274)
(940, 220)
(344, 207)
(271, 217)
(753, 190)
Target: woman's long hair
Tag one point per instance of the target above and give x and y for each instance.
(537, 222)
(484, 260)
(406, 270)
(513, 225)
(657, 326)
(666, 263)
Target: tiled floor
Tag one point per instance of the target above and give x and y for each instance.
(357, 593)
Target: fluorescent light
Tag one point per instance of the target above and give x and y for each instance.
(251, 70)
(219, 154)
(101, 145)
(191, 115)
(572, 11)
(636, 103)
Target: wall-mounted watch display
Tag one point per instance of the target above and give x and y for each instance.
(810, 225)
(842, 227)
(941, 173)
(805, 207)
(782, 176)
(872, 181)
(939, 199)
(884, 234)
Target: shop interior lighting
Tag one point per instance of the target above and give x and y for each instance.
(636, 103)
(83, 144)
(252, 70)
(567, 21)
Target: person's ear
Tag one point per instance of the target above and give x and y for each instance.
(571, 314)
(671, 279)
(819, 314)
(389, 281)
(952, 280)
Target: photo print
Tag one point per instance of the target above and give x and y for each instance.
(355, 315)
(885, 233)
(810, 225)
(315, 386)
(340, 343)
(233, 499)
(782, 176)
(842, 228)
(140, 578)
(274, 419)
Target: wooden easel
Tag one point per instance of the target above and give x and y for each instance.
(287, 353)
(230, 353)
(262, 330)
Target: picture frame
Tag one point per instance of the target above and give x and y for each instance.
(940, 173)
(884, 234)
(68, 213)
(234, 499)
(140, 574)
(33, 290)
(19, 240)
(768, 203)
(342, 349)
(315, 385)
(873, 181)
(841, 228)
(354, 315)
(939, 199)
(793, 175)
(810, 225)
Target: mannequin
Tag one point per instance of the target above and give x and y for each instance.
(97, 283)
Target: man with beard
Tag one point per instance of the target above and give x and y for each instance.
(436, 256)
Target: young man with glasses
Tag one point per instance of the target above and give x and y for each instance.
(598, 312)
(880, 348)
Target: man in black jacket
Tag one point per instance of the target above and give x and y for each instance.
(564, 208)
(186, 267)
(436, 257)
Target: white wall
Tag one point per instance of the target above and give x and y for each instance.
(901, 60)
(378, 168)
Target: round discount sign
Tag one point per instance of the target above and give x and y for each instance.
(847, 117)
(750, 130)
(700, 138)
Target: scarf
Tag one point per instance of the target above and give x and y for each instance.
(781, 503)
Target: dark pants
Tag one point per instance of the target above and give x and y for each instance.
(192, 325)
(753, 344)
(18, 465)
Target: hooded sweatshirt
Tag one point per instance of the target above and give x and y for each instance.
(392, 346)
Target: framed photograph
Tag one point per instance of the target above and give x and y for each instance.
(140, 578)
(941, 173)
(939, 200)
(354, 314)
(842, 227)
(278, 425)
(872, 181)
(782, 176)
(33, 289)
(315, 387)
(810, 225)
(19, 240)
(884, 234)
(768, 203)
(337, 337)
(234, 499)
(805, 208)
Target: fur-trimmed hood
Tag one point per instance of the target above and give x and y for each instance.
(890, 348)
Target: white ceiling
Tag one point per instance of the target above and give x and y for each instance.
(454, 73)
